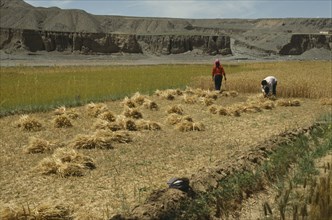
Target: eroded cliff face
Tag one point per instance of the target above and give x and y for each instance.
(175, 44)
(92, 43)
(33, 40)
(13, 40)
(300, 43)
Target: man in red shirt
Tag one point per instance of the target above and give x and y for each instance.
(218, 73)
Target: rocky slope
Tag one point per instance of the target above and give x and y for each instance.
(89, 33)
(95, 43)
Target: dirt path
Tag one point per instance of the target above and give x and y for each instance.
(42, 58)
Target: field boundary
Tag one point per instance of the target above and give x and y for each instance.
(219, 190)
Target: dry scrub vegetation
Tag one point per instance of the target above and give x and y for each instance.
(94, 161)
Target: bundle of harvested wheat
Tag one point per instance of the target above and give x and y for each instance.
(184, 126)
(96, 109)
(238, 106)
(121, 137)
(286, 102)
(190, 126)
(189, 91)
(72, 114)
(29, 123)
(91, 141)
(233, 93)
(198, 91)
(230, 93)
(108, 116)
(168, 94)
(251, 108)
(295, 102)
(127, 102)
(70, 169)
(173, 119)
(44, 211)
(126, 123)
(63, 111)
(117, 136)
(190, 99)
(225, 94)
(138, 98)
(222, 111)
(66, 155)
(130, 125)
(175, 109)
(66, 162)
(101, 124)
(325, 101)
(283, 102)
(178, 92)
(213, 109)
(60, 110)
(148, 125)
(114, 126)
(132, 113)
(187, 118)
(157, 92)
(207, 101)
(256, 98)
(62, 121)
(236, 112)
(267, 105)
(48, 166)
(150, 105)
(38, 145)
(210, 94)
(174, 92)
(48, 211)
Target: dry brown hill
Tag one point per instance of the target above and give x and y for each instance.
(259, 37)
(18, 14)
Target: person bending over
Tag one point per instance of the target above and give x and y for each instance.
(269, 86)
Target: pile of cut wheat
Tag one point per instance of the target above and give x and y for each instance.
(43, 211)
(29, 123)
(38, 145)
(66, 162)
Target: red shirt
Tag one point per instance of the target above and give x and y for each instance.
(218, 71)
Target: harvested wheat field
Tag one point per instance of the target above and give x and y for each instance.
(102, 159)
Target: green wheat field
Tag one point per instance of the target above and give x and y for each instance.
(42, 88)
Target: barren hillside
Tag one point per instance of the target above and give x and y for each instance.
(258, 37)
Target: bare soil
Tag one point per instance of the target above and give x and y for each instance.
(43, 58)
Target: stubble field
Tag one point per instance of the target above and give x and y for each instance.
(172, 133)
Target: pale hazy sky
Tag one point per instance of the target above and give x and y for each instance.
(198, 8)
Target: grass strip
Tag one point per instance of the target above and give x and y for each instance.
(228, 196)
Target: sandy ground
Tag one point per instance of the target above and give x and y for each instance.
(43, 58)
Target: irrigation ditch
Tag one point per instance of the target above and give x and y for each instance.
(218, 192)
